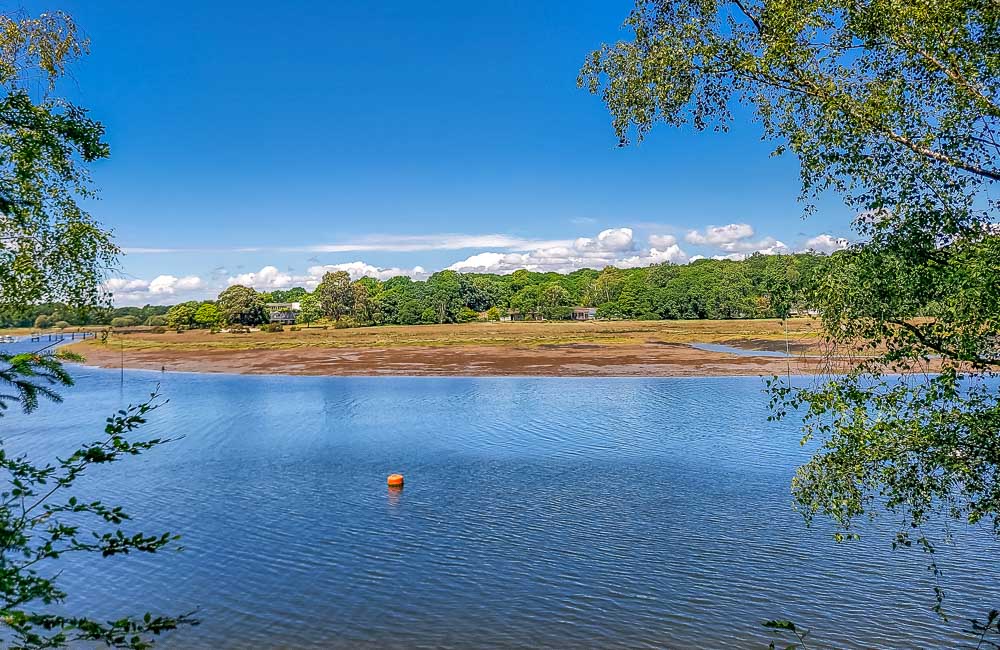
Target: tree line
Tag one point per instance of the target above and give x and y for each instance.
(761, 286)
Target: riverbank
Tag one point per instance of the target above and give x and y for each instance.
(608, 349)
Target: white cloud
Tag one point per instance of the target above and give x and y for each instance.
(735, 241)
(496, 254)
(266, 279)
(825, 244)
(720, 235)
(672, 254)
(749, 245)
(270, 278)
(610, 247)
(361, 269)
(387, 243)
(610, 240)
(163, 288)
(662, 241)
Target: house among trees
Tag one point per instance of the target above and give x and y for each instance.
(584, 313)
(283, 313)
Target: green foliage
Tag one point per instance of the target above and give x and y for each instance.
(51, 248)
(335, 294)
(182, 315)
(894, 106)
(41, 522)
(124, 321)
(787, 628)
(52, 252)
(466, 315)
(762, 286)
(239, 305)
(309, 309)
(207, 316)
(43, 322)
(445, 296)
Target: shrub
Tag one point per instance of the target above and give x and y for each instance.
(43, 322)
(294, 328)
(273, 327)
(62, 324)
(158, 330)
(156, 321)
(124, 321)
(467, 315)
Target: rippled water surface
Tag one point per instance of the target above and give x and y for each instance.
(539, 512)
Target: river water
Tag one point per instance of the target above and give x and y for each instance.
(537, 512)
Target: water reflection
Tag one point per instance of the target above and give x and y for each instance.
(544, 513)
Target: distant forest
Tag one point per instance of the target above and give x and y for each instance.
(761, 286)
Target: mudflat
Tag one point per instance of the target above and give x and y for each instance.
(604, 349)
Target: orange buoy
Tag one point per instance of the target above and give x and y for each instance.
(395, 480)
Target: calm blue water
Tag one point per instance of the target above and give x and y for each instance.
(537, 513)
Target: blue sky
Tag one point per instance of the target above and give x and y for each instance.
(296, 137)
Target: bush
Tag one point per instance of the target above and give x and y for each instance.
(124, 321)
(273, 327)
(467, 315)
(158, 330)
(239, 329)
(156, 321)
(493, 313)
(294, 328)
(62, 324)
(43, 322)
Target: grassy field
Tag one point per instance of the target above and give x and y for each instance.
(520, 335)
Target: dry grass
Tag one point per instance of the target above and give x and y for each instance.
(514, 335)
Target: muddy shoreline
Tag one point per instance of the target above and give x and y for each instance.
(568, 360)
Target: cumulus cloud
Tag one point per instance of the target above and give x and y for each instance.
(126, 291)
(766, 245)
(825, 244)
(266, 279)
(270, 278)
(361, 269)
(736, 242)
(720, 235)
(672, 254)
(498, 254)
(662, 241)
(614, 246)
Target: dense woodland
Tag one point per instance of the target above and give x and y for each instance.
(762, 286)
